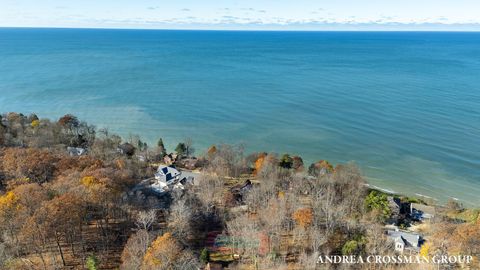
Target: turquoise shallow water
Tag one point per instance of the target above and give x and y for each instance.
(404, 106)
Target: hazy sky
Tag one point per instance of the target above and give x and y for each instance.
(243, 14)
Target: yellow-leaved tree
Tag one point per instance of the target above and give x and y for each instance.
(35, 123)
(89, 181)
(162, 253)
(425, 250)
(8, 201)
(9, 206)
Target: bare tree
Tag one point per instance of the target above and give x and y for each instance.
(244, 236)
(179, 220)
(228, 160)
(274, 217)
(308, 261)
(377, 242)
(317, 238)
(4, 255)
(137, 245)
(326, 212)
(210, 191)
(145, 219)
(189, 150)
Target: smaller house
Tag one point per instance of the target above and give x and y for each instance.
(170, 159)
(76, 151)
(422, 212)
(247, 186)
(242, 188)
(405, 241)
(240, 191)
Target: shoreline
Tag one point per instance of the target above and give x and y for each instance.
(388, 189)
(432, 199)
(406, 191)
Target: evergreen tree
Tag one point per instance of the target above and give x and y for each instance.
(181, 149)
(161, 147)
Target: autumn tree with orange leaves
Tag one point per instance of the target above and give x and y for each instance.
(162, 253)
(165, 252)
(259, 163)
(303, 217)
(457, 239)
(319, 168)
(60, 220)
(34, 164)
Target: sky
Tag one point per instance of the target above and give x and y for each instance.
(245, 14)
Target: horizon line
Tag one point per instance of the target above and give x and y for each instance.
(242, 30)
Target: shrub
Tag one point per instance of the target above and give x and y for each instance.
(378, 201)
(204, 256)
(91, 263)
(286, 162)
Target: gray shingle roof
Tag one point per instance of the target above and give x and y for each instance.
(409, 239)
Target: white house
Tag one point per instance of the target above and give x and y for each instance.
(167, 175)
(405, 241)
(168, 178)
(76, 151)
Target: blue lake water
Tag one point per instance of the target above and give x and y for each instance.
(404, 106)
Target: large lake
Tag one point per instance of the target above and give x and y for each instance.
(404, 106)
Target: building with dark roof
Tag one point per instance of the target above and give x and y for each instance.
(422, 212)
(167, 174)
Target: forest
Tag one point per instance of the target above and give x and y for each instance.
(61, 210)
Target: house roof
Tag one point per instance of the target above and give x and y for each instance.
(423, 208)
(166, 172)
(409, 239)
(76, 151)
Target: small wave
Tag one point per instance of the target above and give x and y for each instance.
(382, 189)
(425, 196)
